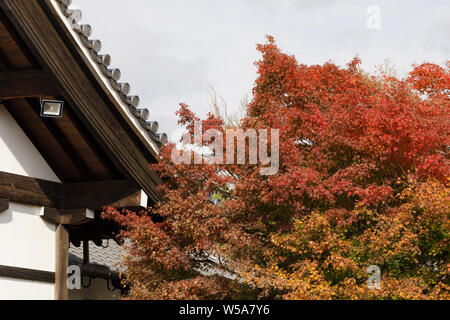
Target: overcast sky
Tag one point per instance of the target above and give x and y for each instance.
(171, 51)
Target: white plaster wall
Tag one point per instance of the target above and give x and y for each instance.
(13, 289)
(97, 291)
(17, 154)
(26, 241)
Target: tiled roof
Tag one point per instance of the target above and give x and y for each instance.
(113, 75)
(110, 255)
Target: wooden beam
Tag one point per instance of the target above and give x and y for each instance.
(52, 215)
(68, 216)
(92, 195)
(61, 262)
(90, 270)
(94, 145)
(20, 43)
(37, 23)
(97, 195)
(27, 274)
(137, 200)
(26, 83)
(4, 205)
(32, 191)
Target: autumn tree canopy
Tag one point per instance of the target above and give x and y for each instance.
(363, 180)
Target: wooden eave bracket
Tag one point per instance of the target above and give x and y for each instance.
(70, 203)
(68, 216)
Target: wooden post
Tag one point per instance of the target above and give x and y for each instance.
(61, 263)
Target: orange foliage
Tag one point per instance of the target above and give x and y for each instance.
(363, 180)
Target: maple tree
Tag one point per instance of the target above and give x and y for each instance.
(363, 180)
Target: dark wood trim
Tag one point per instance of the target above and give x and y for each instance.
(4, 205)
(68, 216)
(61, 262)
(96, 195)
(53, 215)
(31, 191)
(27, 274)
(103, 118)
(26, 83)
(96, 271)
(69, 196)
(94, 145)
(134, 201)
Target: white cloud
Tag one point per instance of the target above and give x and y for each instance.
(170, 50)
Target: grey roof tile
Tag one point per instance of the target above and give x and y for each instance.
(111, 256)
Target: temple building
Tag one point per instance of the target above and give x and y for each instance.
(73, 140)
